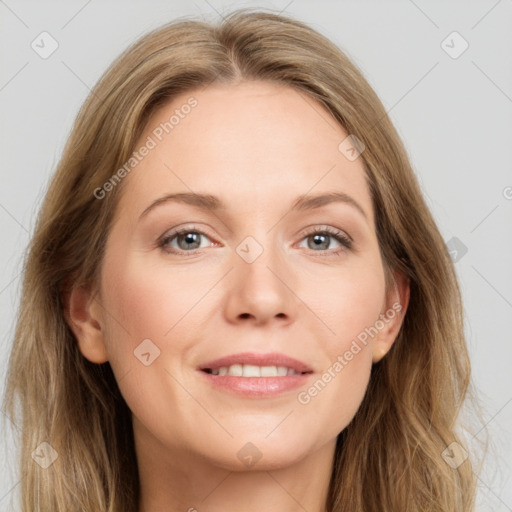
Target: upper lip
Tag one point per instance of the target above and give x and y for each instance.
(270, 359)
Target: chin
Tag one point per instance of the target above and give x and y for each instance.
(257, 453)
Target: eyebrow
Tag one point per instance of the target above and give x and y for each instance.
(209, 202)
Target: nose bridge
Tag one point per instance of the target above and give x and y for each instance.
(259, 236)
(261, 246)
(257, 252)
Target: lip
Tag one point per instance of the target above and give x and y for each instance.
(257, 387)
(270, 359)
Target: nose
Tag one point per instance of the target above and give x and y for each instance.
(261, 291)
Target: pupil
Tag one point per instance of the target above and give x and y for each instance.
(190, 238)
(318, 238)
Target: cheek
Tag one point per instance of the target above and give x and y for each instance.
(334, 398)
(148, 302)
(349, 307)
(346, 301)
(147, 322)
(335, 395)
(156, 310)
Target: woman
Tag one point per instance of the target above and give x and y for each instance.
(308, 353)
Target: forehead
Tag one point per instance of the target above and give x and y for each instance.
(253, 144)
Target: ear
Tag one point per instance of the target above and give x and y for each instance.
(83, 314)
(392, 315)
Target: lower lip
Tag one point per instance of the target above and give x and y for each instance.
(257, 387)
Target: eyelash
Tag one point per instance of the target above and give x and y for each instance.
(346, 242)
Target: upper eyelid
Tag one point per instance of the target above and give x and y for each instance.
(313, 227)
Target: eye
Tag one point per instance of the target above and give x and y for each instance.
(187, 239)
(321, 238)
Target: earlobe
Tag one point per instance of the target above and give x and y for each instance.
(392, 316)
(83, 315)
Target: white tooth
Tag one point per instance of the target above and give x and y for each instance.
(251, 371)
(282, 371)
(269, 371)
(235, 370)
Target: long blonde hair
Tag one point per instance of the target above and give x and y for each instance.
(389, 458)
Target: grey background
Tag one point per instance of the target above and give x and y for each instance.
(454, 115)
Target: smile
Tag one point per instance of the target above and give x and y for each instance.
(250, 370)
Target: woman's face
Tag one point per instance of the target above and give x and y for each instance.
(252, 275)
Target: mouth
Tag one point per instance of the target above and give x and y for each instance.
(251, 364)
(250, 370)
(256, 375)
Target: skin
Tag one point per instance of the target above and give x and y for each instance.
(269, 144)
